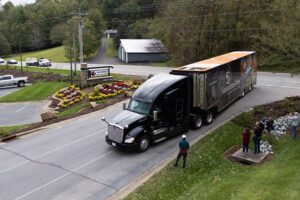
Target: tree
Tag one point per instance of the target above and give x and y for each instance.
(5, 47)
(280, 44)
(58, 34)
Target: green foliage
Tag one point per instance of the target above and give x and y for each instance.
(35, 92)
(5, 47)
(73, 110)
(7, 130)
(288, 104)
(55, 54)
(280, 45)
(111, 51)
(243, 120)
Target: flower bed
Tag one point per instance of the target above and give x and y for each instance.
(69, 96)
(108, 90)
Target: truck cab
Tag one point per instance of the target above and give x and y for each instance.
(157, 110)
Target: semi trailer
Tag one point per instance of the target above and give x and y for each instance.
(188, 97)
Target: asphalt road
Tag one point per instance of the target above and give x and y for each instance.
(70, 160)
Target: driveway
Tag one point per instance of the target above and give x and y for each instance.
(7, 90)
(101, 57)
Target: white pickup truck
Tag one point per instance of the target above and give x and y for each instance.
(9, 80)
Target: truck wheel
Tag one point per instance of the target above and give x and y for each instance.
(143, 143)
(209, 117)
(21, 84)
(197, 123)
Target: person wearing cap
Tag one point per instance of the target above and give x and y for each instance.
(294, 124)
(183, 150)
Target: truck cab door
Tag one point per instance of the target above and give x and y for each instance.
(160, 127)
(177, 111)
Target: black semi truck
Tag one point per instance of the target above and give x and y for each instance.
(190, 96)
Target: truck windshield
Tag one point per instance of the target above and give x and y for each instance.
(139, 107)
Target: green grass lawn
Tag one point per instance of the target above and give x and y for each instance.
(7, 130)
(73, 110)
(35, 92)
(39, 69)
(56, 54)
(111, 51)
(209, 176)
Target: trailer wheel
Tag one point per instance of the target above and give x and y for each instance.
(21, 84)
(197, 122)
(143, 143)
(209, 117)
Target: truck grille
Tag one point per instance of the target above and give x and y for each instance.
(115, 133)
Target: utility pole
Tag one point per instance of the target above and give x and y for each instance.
(20, 52)
(80, 25)
(74, 52)
(70, 51)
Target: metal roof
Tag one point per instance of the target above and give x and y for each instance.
(143, 46)
(154, 86)
(210, 63)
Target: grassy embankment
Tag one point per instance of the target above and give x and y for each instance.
(209, 176)
(56, 54)
(5, 131)
(35, 92)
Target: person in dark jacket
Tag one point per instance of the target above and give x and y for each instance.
(183, 150)
(258, 130)
(270, 125)
(246, 139)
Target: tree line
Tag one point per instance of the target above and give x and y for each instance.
(191, 30)
(49, 23)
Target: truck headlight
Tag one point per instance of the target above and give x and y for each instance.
(106, 133)
(129, 140)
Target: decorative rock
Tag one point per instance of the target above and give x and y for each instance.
(48, 116)
(265, 147)
(93, 104)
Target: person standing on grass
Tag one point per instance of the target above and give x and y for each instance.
(246, 139)
(183, 150)
(258, 130)
(295, 120)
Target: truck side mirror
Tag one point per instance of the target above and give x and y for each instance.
(124, 105)
(155, 115)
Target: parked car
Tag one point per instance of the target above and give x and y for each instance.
(2, 61)
(43, 62)
(10, 80)
(12, 62)
(31, 62)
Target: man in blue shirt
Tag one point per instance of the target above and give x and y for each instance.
(183, 149)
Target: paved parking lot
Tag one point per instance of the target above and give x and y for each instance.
(8, 90)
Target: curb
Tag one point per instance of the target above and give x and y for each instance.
(134, 184)
(11, 137)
